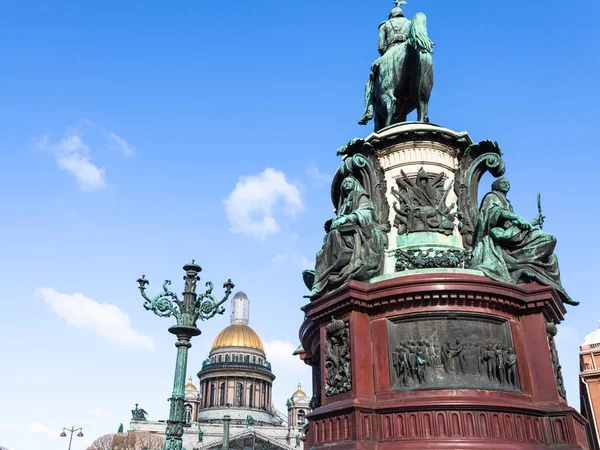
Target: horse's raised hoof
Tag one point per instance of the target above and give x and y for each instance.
(365, 119)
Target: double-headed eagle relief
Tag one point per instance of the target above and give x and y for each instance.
(401, 79)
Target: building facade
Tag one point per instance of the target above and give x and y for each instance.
(589, 384)
(236, 380)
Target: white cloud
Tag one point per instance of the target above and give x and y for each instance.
(290, 371)
(293, 258)
(119, 143)
(255, 201)
(73, 156)
(45, 430)
(280, 353)
(319, 179)
(107, 320)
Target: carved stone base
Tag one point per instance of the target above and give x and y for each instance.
(440, 361)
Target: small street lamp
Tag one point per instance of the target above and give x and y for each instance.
(71, 430)
(187, 312)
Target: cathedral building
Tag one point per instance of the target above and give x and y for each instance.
(236, 380)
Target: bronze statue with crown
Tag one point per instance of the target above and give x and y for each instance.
(431, 316)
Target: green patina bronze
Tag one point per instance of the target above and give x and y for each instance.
(401, 79)
(226, 420)
(138, 414)
(504, 246)
(355, 240)
(187, 312)
(120, 430)
(511, 249)
(421, 204)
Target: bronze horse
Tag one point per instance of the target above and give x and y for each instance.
(404, 79)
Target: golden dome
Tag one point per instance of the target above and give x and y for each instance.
(299, 392)
(190, 386)
(238, 335)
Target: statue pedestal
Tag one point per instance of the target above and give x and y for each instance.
(403, 150)
(438, 361)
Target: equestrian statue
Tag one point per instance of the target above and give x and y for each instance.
(401, 79)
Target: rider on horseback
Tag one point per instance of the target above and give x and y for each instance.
(393, 32)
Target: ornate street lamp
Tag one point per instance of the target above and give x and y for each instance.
(187, 312)
(71, 430)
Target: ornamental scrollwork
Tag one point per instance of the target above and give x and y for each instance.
(338, 373)
(552, 331)
(194, 306)
(432, 259)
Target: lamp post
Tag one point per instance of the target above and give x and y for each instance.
(71, 430)
(187, 312)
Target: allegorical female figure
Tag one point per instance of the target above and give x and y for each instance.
(508, 248)
(353, 247)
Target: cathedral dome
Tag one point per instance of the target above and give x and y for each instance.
(299, 393)
(190, 385)
(238, 335)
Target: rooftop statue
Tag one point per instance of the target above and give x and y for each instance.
(138, 413)
(508, 248)
(401, 79)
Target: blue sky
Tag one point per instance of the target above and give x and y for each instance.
(127, 125)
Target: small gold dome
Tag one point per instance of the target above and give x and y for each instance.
(238, 335)
(190, 386)
(299, 392)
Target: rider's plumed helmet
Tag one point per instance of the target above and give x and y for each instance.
(397, 11)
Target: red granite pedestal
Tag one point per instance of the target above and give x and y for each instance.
(376, 414)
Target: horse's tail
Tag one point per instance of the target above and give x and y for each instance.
(417, 34)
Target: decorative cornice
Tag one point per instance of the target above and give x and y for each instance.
(431, 290)
(415, 132)
(209, 369)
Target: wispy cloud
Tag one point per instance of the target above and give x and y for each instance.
(45, 430)
(256, 201)
(73, 156)
(106, 320)
(319, 179)
(292, 258)
(121, 144)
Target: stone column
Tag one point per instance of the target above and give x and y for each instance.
(270, 399)
(202, 396)
(205, 397)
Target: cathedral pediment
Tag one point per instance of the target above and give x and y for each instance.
(249, 439)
